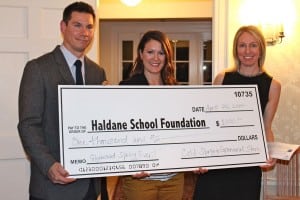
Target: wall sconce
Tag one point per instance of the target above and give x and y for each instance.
(273, 33)
(131, 3)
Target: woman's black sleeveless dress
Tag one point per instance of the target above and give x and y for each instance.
(242, 183)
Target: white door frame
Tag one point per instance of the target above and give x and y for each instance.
(112, 34)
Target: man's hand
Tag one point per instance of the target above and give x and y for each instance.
(57, 174)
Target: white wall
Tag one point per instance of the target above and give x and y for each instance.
(282, 60)
(159, 9)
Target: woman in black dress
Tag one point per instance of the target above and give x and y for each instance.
(244, 183)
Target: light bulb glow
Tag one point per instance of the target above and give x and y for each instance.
(131, 2)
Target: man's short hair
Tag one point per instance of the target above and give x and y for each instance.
(79, 7)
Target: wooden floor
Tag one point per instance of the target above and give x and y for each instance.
(115, 189)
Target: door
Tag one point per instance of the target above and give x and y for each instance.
(29, 28)
(119, 40)
(184, 47)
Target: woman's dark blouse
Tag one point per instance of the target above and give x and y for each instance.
(263, 82)
(137, 79)
(140, 79)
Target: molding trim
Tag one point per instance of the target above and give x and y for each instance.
(220, 36)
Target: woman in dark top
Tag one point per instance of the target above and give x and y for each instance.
(153, 66)
(244, 183)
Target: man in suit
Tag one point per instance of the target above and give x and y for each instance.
(38, 107)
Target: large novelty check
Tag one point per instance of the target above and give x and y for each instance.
(122, 130)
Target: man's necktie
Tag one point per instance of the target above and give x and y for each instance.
(79, 79)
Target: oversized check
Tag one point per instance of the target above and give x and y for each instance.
(122, 130)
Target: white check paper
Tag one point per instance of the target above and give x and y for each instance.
(122, 130)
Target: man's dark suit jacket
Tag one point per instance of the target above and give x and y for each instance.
(38, 121)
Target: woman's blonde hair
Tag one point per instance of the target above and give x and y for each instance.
(259, 37)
